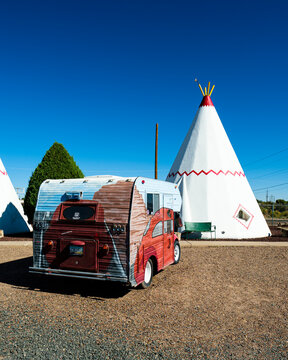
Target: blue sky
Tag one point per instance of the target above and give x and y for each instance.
(96, 76)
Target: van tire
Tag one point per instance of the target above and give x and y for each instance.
(177, 252)
(148, 274)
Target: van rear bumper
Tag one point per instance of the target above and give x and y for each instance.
(77, 274)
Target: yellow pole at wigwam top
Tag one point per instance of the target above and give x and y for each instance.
(207, 91)
(156, 152)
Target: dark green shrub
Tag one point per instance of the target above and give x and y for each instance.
(56, 164)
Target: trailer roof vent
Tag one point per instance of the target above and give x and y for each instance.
(73, 195)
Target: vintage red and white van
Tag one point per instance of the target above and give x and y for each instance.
(106, 228)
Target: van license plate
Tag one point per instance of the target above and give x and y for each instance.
(76, 250)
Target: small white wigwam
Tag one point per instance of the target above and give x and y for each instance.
(212, 183)
(12, 218)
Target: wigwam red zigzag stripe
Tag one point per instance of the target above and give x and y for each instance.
(3, 172)
(208, 172)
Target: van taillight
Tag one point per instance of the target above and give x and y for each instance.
(106, 248)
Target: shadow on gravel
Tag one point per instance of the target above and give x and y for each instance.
(16, 273)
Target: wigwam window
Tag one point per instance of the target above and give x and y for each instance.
(243, 215)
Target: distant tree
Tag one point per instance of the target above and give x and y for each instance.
(279, 209)
(281, 205)
(277, 214)
(56, 164)
(265, 211)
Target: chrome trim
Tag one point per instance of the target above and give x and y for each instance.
(76, 274)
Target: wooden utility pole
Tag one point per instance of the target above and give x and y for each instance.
(156, 152)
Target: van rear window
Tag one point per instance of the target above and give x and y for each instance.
(76, 212)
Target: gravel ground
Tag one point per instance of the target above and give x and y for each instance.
(217, 303)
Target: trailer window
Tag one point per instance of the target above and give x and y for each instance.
(150, 203)
(158, 229)
(156, 202)
(76, 212)
(153, 203)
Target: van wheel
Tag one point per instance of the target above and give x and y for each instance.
(148, 274)
(177, 252)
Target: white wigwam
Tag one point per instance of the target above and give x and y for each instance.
(12, 218)
(213, 185)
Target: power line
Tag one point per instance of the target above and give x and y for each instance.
(266, 157)
(270, 187)
(271, 173)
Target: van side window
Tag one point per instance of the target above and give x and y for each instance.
(168, 226)
(153, 203)
(158, 229)
(147, 227)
